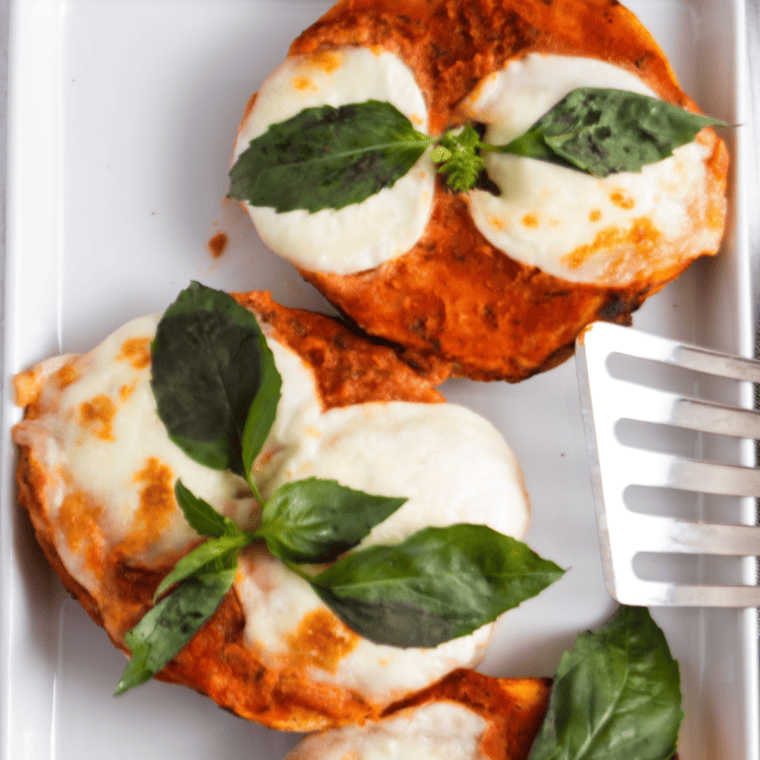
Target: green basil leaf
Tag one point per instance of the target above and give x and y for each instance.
(395, 623)
(316, 520)
(263, 410)
(617, 695)
(326, 157)
(203, 518)
(601, 131)
(207, 371)
(460, 161)
(211, 556)
(171, 623)
(438, 584)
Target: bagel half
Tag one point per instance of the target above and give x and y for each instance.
(96, 474)
(454, 302)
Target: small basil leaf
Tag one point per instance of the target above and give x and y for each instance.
(206, 373)
(326, 157)
(601, 131)
(263, 410)
(617, 695)
(460, 161)
(203, 518)
(465, 575)
(316, 520)
(212, 555)
(170, 624)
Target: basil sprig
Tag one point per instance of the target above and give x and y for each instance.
(327, 157)
(214, 380)
(438, 584)
(206, 573)
(617, 696)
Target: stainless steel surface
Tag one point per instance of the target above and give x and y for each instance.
(624, 378)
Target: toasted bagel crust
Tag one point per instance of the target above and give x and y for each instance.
(455, 305)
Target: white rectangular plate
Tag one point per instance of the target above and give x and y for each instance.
(122, 119)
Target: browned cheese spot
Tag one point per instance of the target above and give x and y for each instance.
(322, 641)
(97, 415)
(66, 375)
(136, 351)
(127, 390)
(156, 506)
(327, 60)
(622, 199)
(642, 237)
(78, 520)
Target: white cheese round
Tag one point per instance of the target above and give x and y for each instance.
(363, 235)
(567, 223)
(450, 464)
(438, 731)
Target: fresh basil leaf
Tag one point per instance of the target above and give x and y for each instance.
(211, 556)
(206, 374)
(326, 157)
(170, 624)
(203, 518)
(263, 410)
(395, 623)
(601, 131)
(316, 520)
(438, 584)
(617, 695)
(457, 151)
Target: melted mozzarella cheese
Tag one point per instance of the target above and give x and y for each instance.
(385, 225)
(98, 434)
(567, 223)
(438, 731)
(105, 449)
(387, 449)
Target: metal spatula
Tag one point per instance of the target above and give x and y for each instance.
(623, 377)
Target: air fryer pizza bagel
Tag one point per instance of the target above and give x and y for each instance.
(495, 285)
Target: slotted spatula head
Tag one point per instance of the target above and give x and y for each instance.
(632, 389)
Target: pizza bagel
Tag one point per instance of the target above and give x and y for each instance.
(494, 283)
(97, 473)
